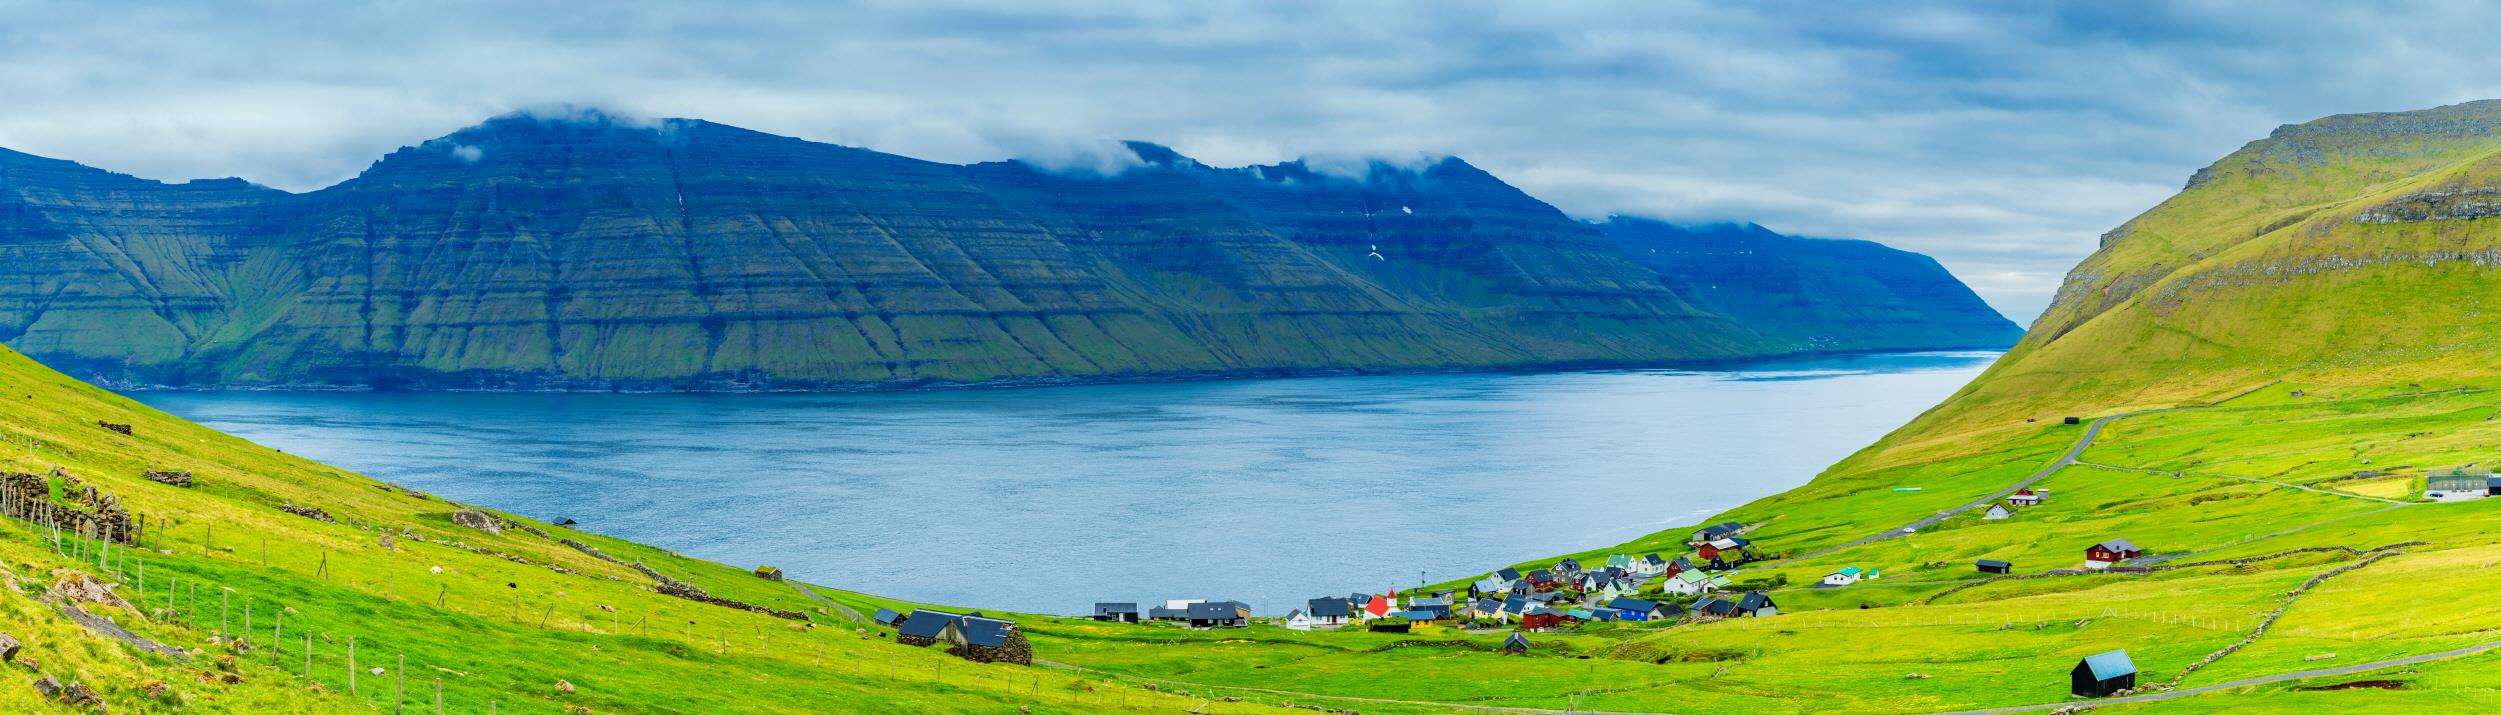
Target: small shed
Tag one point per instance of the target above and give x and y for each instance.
(1996, 511)
(887, 617)
(2099, 676)
(2075, 420)
(1516, 644)
(1993, 566)
(1116, 612)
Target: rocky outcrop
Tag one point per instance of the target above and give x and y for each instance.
(179, 479)
(479, 520)
(114, 426)
(591, 253)
(2460, 204)
(309, 512)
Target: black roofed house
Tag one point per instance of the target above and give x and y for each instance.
(887, 617)
(990, 640)
(2107, 553)
(1714, 532)
(1436, 605)
(1715, 607)
(1220, 614)
(1516, 644)
(1993, 566)
(1509, 574)
(2100, 676)
(1758, 605)
(1116, 612)
(1168, 613)
(1515, 606)
(924, 626)
(1486, 608)
(1650, 564)
(1568, 567)
(1330, 611)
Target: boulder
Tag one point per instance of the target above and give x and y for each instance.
(8, 648)
(49, 686)
(179, 479)
(564, 686)
(478, 520)
(79, 694)
(78, 587)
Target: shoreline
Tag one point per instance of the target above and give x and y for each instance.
(738, 388)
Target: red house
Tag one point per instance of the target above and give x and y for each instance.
(1541, 618)
(2024, 497)
(2104, 554)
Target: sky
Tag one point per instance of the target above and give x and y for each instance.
(2001, 138)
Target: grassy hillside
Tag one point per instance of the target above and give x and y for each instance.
(489, 628)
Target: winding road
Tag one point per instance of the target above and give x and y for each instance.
(2092, 431)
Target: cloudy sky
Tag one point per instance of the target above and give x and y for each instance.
(1999, 137)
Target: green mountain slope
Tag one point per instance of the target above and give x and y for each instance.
(587, 252)
(497, 619)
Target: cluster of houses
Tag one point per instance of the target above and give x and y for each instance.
(971, 636)
(1571, 593)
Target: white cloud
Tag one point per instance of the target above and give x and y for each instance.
(2001, 138)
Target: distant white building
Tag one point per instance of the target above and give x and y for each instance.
(1997, 511)
(1845, 576)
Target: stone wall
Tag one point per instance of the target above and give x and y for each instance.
(27, 497)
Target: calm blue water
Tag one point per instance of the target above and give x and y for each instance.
(1049, 499)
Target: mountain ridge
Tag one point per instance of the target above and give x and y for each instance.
(592, 252)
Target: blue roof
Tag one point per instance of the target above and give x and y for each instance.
(887, 616)
(925, 623)
(2109, 665)
(1633, 604)
(1327, 607)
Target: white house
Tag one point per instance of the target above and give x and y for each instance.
(1844, 577)
(2025, 497)
(1297, 621)
(1694, 583)
(1997, 511)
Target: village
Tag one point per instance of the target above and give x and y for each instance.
(1651, 590)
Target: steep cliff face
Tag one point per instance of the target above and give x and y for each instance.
(1827, 293)
(595, 253)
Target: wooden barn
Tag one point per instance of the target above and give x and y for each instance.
(1993, 566)
(2099, 676)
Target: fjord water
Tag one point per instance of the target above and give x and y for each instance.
(1049, 499)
